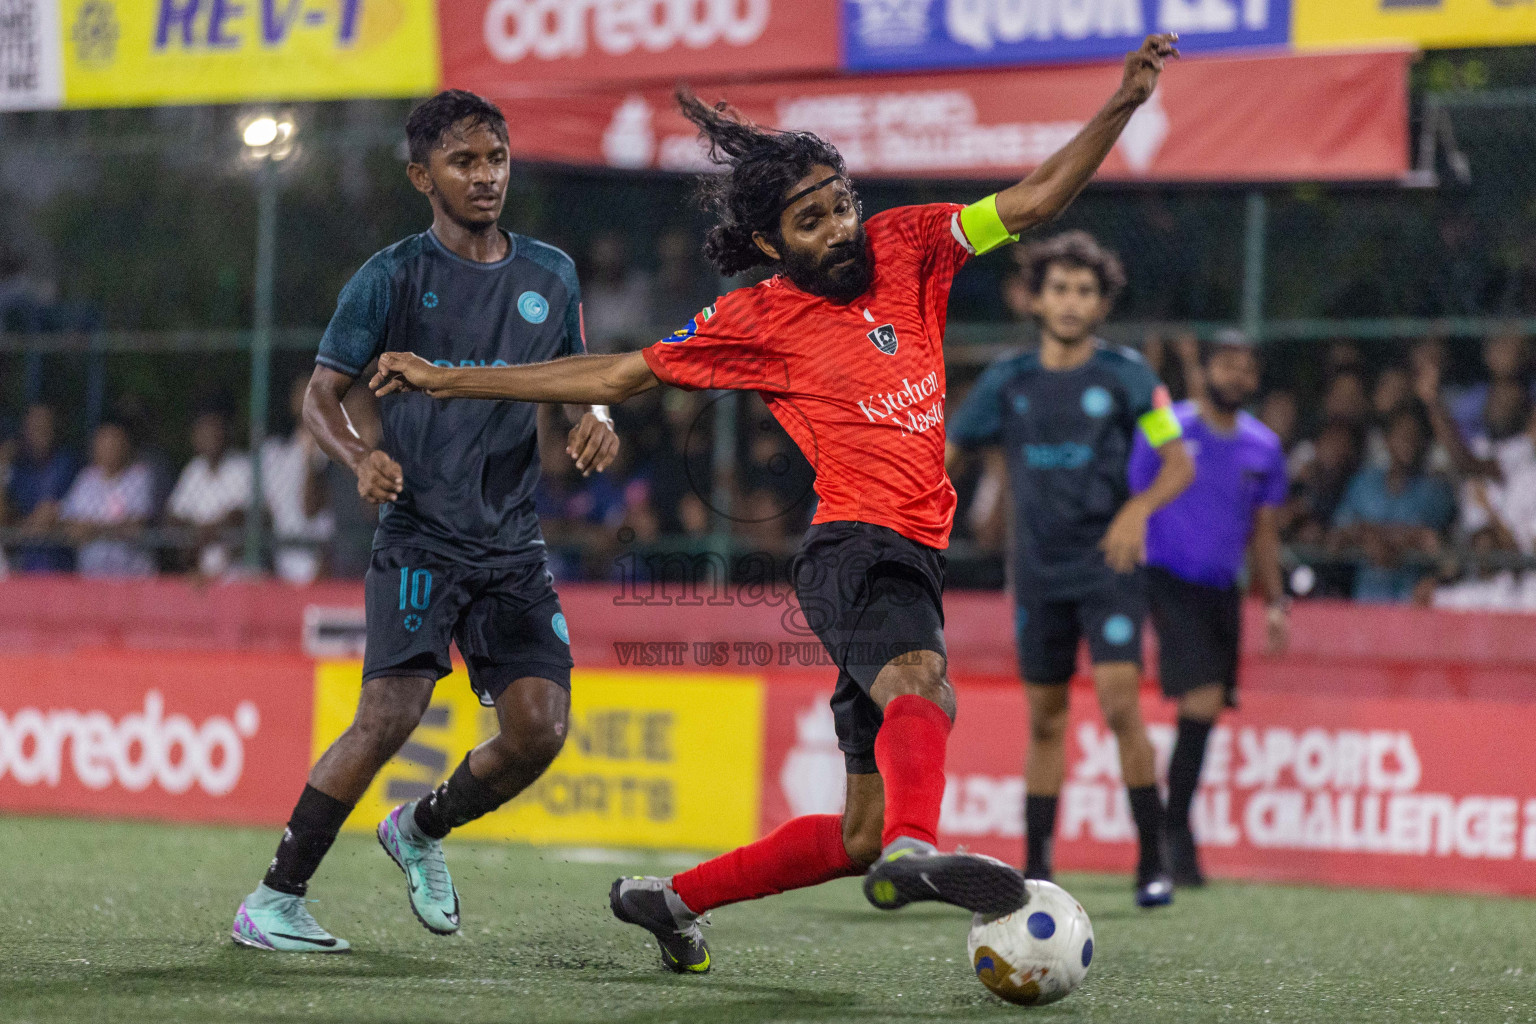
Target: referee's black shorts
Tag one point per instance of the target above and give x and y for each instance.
(1199, 633)
(870, 595)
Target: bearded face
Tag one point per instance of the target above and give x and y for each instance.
(840, 273)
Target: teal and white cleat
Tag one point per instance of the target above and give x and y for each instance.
(434, 900)
(276, 921)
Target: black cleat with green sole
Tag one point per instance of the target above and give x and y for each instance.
(650, 903)
(909, 871)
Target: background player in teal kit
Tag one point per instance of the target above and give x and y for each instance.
(1195, 549)
(457, 554)
(1065, 416)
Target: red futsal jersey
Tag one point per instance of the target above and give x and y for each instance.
(859, 387)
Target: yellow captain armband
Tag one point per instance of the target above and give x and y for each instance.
(1159, 426)
(983, 227)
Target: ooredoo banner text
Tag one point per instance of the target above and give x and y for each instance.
(178, 737)
(509, 47)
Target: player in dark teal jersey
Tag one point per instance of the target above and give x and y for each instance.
(1066, 416)
(457, 554)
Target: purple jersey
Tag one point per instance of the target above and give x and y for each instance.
(1202, 534)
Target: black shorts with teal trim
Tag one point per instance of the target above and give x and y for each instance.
(1107, 612)
(506, 621)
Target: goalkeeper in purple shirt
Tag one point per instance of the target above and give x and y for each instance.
(1195, 551)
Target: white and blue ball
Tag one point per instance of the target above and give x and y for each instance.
(1037, 954)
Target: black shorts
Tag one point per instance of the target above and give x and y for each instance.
(1108, 612)
(506, 621)
(870, 595)
(1199, 633)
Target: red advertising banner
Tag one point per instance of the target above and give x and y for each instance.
(1325, 117)
(181, 737)
(1406, 793)
(519, 47)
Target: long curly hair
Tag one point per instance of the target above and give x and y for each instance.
(763, 164)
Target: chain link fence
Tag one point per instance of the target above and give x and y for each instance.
(126, 283)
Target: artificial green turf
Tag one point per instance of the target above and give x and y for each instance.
(130, 922)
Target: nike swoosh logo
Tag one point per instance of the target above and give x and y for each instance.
(303, 938)
(928, 881)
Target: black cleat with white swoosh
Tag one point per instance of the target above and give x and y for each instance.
(910, 871)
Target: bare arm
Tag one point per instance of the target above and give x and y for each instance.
(1125, 542)
(1052, 186)
(379, 478)
(1265, 544)
(1264, 558)
(584, 380)
(1177, 473)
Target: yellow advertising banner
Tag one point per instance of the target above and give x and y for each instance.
(1330, 24)
(652, 759)
(144, 52)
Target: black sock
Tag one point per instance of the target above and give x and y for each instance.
(460, 800)
(1039, 834)
(311, 830)
(1147, 811)
(1184, 769)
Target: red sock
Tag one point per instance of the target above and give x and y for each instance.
(801, 852)
(909, 750)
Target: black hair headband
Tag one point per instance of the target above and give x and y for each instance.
(792, 200)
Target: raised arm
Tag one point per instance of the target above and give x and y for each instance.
(1052, 186)
(1426, 385)
(581, 380)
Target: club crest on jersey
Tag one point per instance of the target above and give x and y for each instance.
(533, 306)
(884, 338)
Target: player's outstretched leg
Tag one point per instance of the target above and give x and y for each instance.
(654, 905)
(533, 714)
(801, 852)
(274, 917)
(909, 750)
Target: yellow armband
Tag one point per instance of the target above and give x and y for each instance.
(983, 227)
(1159, 426)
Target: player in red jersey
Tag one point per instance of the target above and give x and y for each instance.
(845, 346)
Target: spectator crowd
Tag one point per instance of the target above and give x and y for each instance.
(1406, 485)
(1409, 488)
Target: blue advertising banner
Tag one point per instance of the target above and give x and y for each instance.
(890, 35)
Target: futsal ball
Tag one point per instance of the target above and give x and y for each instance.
(1038, 953)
